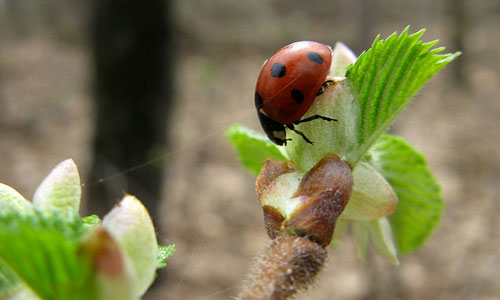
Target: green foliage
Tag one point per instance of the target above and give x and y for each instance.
(43, 250)
(386, 77)
(419, 199)
(164, 252)
(253, 147)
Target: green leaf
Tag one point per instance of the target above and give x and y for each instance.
(419, 198)
(164, 252)
(42, 249)
(253, 147)
(387, 76)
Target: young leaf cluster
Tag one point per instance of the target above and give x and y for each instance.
(381, 83)
(48, 252)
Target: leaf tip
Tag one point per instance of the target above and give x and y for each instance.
(61, 189)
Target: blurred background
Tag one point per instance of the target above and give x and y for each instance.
(139, 94)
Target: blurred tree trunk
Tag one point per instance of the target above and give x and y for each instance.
(458, 29)
(132, 89)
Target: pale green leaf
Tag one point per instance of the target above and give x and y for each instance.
(381, 237)
(23, 293)
(372, 197)
(9, 283)
(361, 236)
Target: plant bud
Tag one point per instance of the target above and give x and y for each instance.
(337, 102)
(342, 57)
(114, 273)
(131, 225)
(338, 138)
(372, 196)
(11, 199)
(60, 190)
(305, 204)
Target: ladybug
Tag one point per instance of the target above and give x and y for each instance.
(287, 85)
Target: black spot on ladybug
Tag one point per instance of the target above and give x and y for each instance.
(258, 101)
(278, 70)
(297, 96)
(315, 57)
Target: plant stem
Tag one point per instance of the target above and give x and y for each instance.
(289, 264)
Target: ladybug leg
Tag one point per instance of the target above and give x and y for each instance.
(292, 127)
(311, 118)
(324, 86)
(285, 140)
(315, 117)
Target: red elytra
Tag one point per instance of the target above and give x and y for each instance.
(287, 85)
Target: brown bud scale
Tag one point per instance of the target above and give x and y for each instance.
(272, 221)
(270, 170)
(326, 189)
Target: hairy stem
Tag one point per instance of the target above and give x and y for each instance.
(288, 265)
